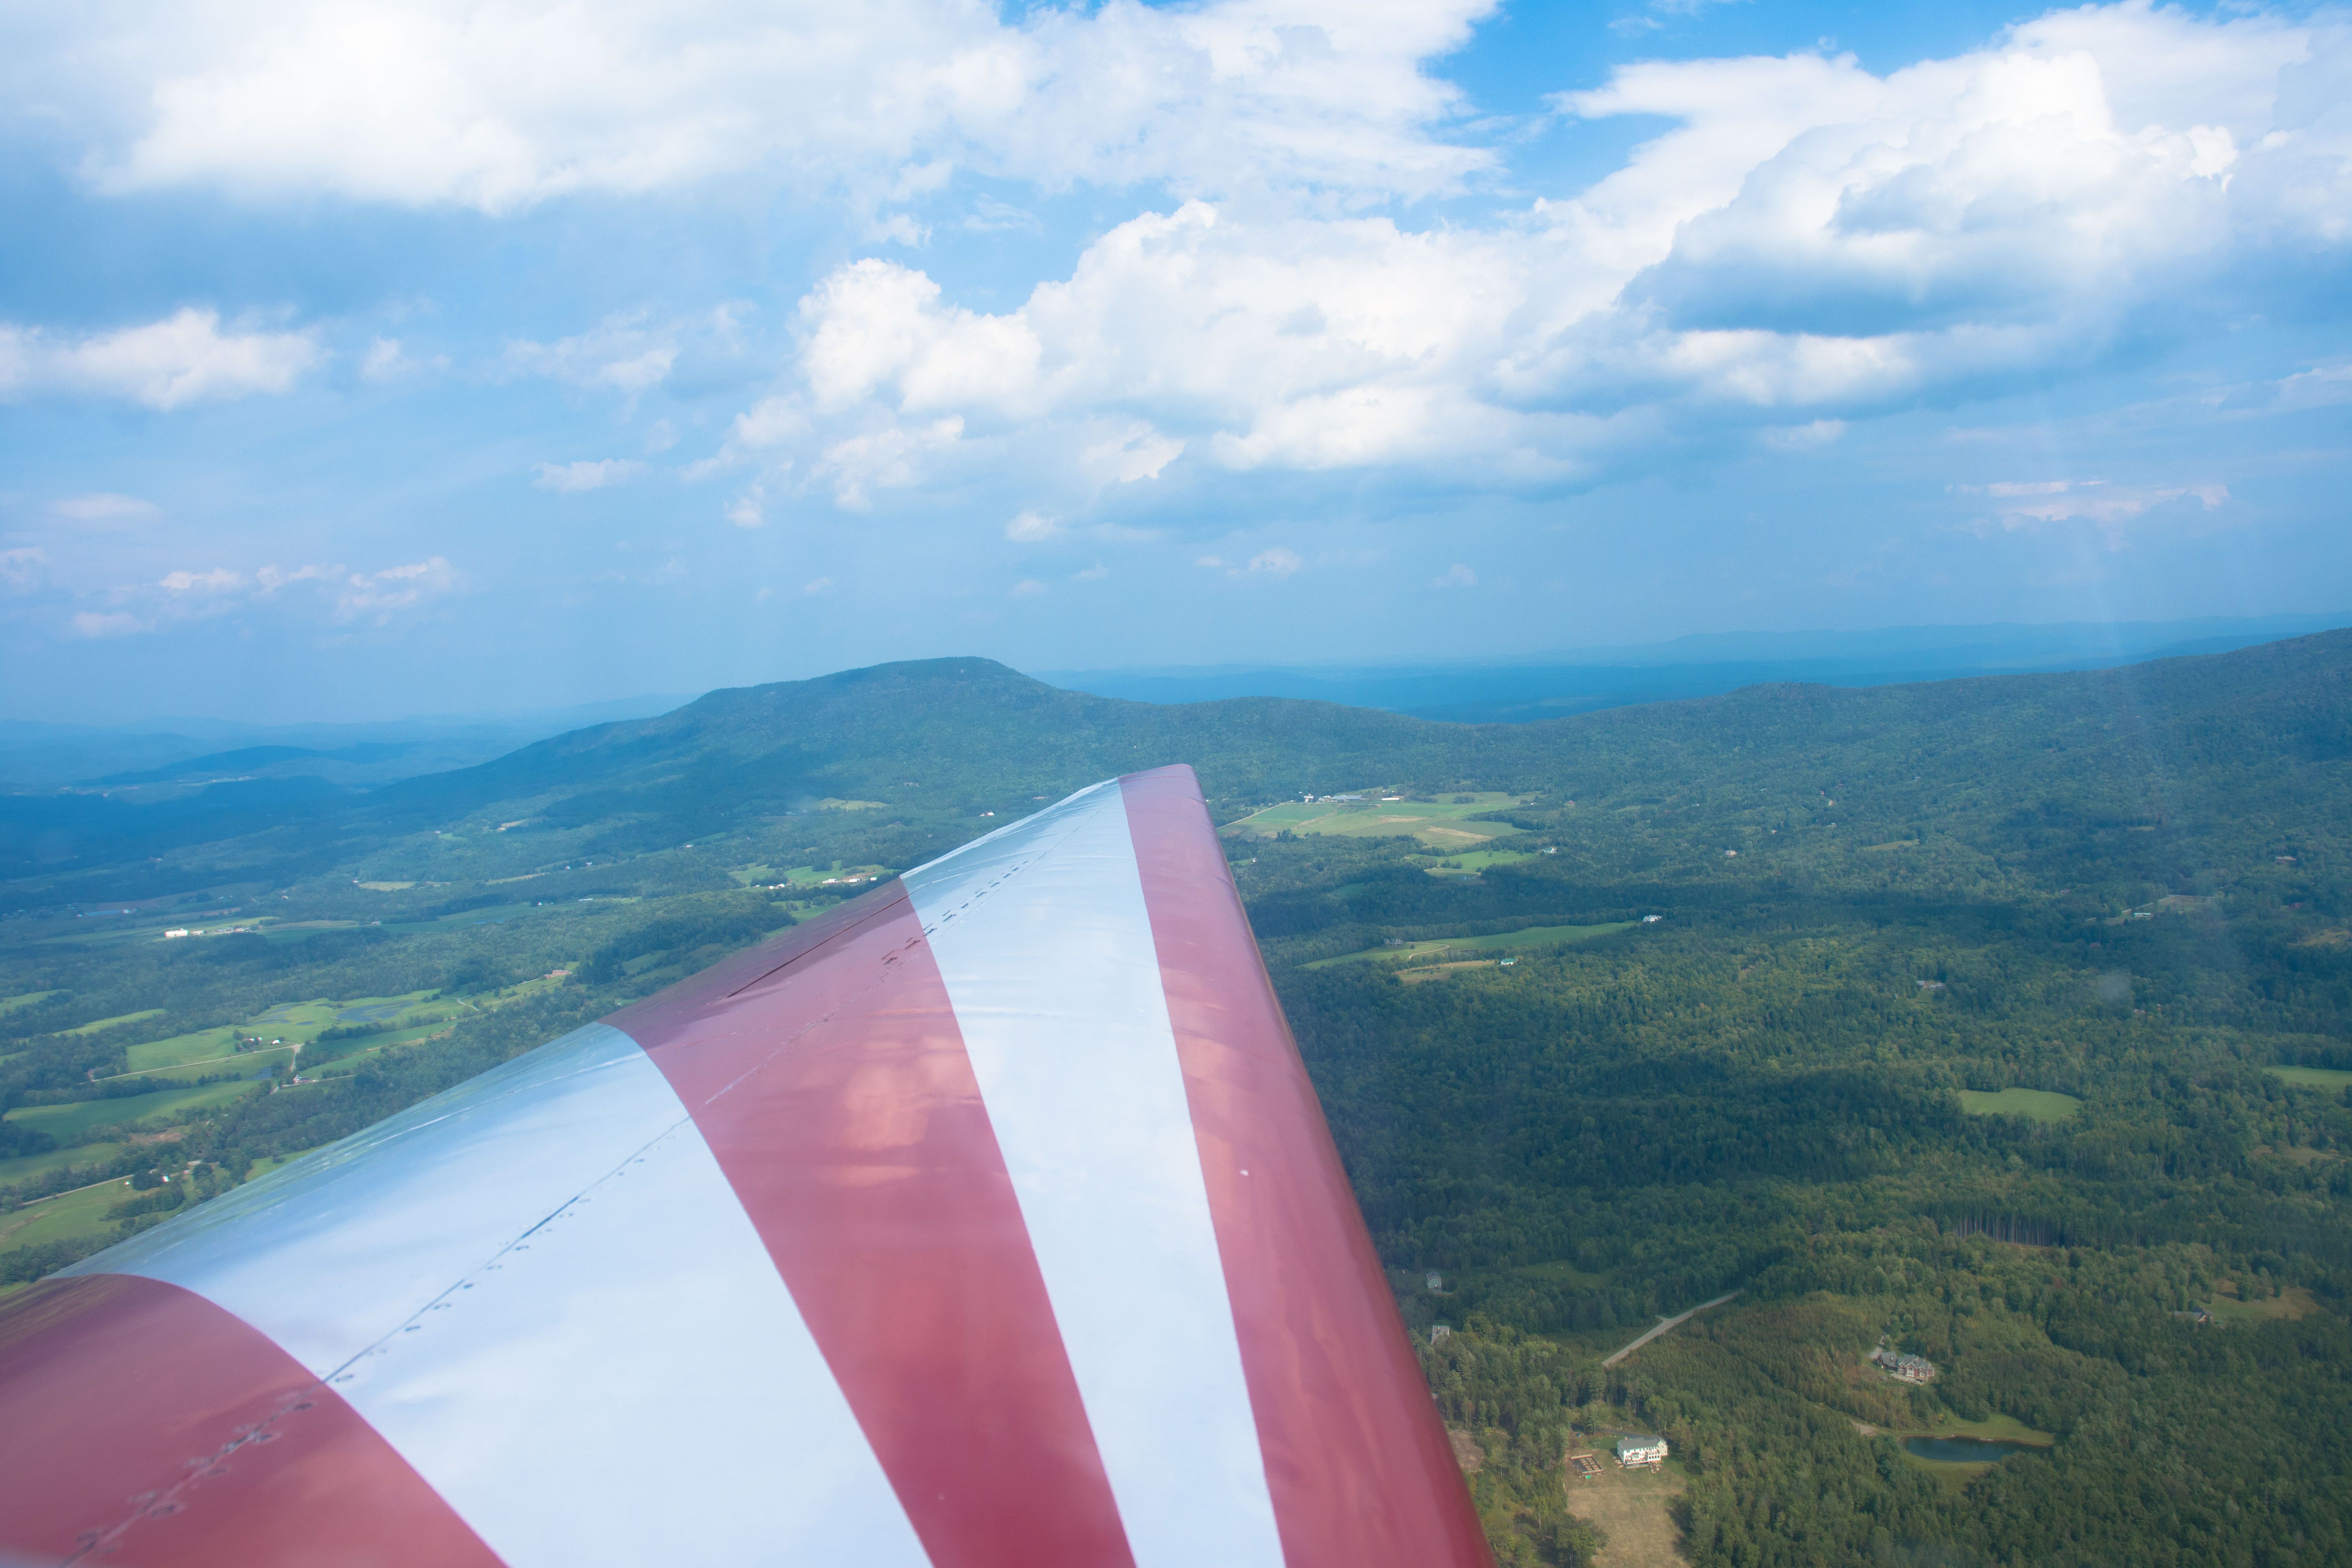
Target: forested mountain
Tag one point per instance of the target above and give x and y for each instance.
(2002, 1020)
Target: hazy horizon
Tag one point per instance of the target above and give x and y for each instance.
(1946, 651)
(410, 367)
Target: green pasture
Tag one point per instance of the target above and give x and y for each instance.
(209, 1053)
(1475, 861)
(203, 1045)
(65, 1216)
(10, 1003)
(72, 1123)
(497, 915)
(1504, 942)
(343, 1056)
(96, 1025)
(24, 1167)
(2312, 1078)
(807, 876)
(241, 1064)
(1441, 823)
(1993, 1428)
(2295, 1302)
(2041, 1104)
(305, 1021)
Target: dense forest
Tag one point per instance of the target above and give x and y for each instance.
(2005, 1021)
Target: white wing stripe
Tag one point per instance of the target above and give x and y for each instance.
(506, 1277)
(1059, 999)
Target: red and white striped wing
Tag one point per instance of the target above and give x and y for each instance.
(987, 1221)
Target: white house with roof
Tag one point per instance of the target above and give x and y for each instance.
(1637, 1449)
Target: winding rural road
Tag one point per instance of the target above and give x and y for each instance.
(1666, 1323)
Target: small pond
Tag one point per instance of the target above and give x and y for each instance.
(1960, 1450)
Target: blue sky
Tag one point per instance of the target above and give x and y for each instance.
(362, 359)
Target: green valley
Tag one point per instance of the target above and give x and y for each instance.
(2005, 1023)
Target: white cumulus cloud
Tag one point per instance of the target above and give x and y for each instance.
(588, 474)
(622, 353)
(2108, 509)
(199, 594)
(500, 105)
(106, 507)
(1803, 245)
(184, 358)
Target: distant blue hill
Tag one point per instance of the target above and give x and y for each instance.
(169, 752)
(1585, 681)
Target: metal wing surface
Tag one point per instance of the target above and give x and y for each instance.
(987, 1222)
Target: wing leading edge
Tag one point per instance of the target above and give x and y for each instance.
(989, 1221)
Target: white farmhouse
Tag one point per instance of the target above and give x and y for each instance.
(1635, 1449)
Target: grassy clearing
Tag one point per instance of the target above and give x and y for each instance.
(1633, 1509)
(339, 1057)
(1441, 824)
(72, 1123)
(240, 1064)
(205, 1045)
(209, 1053)
(24, 1166)
(2312, 1078)
(10, 1003)
(2041, 1104)
(65, 1216)
(96, 1025)
(2293, 1303)
(1475, 861)
(1994, 1428)
(809, 875)
(1503, 943)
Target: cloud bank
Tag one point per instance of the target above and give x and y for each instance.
(1808, 244)
(499, 107)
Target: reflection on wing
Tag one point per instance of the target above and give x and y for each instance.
(987, 1221)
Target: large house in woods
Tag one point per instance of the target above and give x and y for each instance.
(1633, 1450)
(1909, 1368)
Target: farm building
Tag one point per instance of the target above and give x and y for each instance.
(1635, 1449)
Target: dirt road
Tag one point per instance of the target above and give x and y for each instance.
(1666, 1323)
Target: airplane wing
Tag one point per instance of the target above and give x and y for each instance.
(989, 1221)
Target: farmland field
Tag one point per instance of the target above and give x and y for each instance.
(2042, 1105)
(1503, 945)
(1634, 1511)
(1441, 824)
(62, 1218)
(2312, 1078)
(69, 1123)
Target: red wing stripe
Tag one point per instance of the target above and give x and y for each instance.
(838, 1100)
(1357, 1460)
(240, 1455)
(1045, 946)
